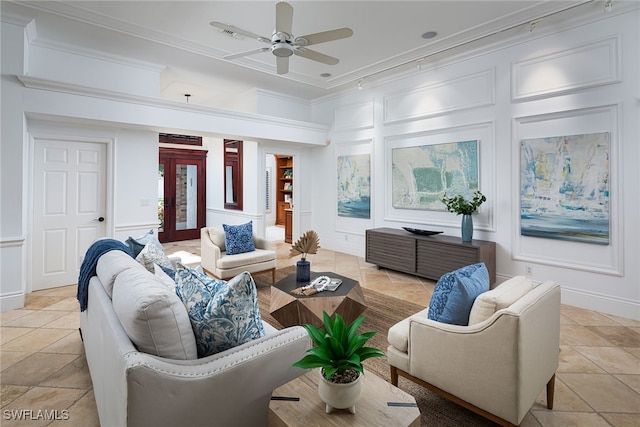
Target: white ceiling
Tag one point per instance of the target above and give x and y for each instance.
(176, 35)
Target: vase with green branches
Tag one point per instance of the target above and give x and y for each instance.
(461, 206)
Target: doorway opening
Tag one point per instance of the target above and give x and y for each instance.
(284, 181)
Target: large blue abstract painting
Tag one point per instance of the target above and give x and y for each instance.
(354, 186)
(564, 191)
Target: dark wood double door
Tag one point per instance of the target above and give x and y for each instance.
(181, 193)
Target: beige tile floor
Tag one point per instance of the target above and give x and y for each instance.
(43, 366)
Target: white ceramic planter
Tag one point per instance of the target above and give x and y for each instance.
(339, 396)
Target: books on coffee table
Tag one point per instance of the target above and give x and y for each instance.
(325, 283)
(333, 285)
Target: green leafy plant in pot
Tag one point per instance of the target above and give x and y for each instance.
(339, 352)
(461, 206)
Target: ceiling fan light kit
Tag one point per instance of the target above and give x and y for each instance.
(283, 43)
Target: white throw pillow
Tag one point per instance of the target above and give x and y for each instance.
(153, 316)
(500, 297)
(153, 253)
(164, 277)
(110, 265)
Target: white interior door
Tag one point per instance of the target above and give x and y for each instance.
(69, 202)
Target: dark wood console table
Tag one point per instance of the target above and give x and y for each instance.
(426, 256)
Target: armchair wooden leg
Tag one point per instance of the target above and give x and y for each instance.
(394, 376)
(551, 385)
(273, 276)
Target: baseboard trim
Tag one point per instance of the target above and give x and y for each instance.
(598, 302)
(12, 301)
(602, 303)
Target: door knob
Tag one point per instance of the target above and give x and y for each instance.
(99, 219)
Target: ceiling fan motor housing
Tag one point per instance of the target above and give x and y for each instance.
(282, 44)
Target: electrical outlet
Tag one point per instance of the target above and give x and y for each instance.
(346, 237)
(528, 270)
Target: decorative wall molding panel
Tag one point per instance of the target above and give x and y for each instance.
(471, 91)
(604, 259)
(484, 133)
(354, 116)
(593, 64)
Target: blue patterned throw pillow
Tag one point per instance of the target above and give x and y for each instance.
(455, 293)
(223, 314)
(239, 238)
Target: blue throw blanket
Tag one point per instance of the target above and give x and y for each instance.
(88, 267)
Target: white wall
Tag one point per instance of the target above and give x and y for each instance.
(461, 98)
(13, 145)
(40, 89)
(275, 104)
(270, 164)
(135, 192)
(582, 78)
(92, 72)
(253, 188)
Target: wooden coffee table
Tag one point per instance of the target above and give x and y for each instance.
(290, 310)
(372, 409)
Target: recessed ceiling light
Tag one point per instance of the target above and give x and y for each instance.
(325, 75)
(429, 35)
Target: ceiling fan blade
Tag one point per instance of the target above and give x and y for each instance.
(323, 37)
(316, 56)
(282, 63)
(284, 17)
(232, 29)
(249, 52)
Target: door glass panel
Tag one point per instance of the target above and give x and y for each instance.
(230, 198)
(161, 202)
(186, 193)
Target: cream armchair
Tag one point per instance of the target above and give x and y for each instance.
(216, 261)
(496, 367)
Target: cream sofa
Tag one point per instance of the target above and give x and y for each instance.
(498, 365)
(134, 387)
(216, 261)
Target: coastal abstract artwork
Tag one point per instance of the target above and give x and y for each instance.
(354, 186)
(564, 191)
(422, 175)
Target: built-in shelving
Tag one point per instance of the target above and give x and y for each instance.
(284, 193)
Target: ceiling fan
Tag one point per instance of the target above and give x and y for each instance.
(284, 44)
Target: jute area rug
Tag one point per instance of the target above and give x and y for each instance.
(383, 312)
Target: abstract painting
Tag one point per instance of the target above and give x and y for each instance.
(422, 175)
(564, 187)
(354, 186)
